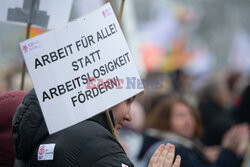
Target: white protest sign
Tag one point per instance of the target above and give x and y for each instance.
(46, 13)
(82, 69)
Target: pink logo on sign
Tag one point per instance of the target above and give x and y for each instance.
(41, 151)
(25, 49)
(31, 46)
(106, 12)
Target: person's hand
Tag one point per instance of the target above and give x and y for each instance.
(164, 157)
(212, 153)
(237, 138)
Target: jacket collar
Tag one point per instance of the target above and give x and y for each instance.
(102, 120)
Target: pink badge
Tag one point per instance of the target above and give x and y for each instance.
(25, 49)
(106, 12)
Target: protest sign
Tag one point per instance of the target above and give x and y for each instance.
(82, 69)
(45, 13)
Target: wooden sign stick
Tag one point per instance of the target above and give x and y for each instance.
(107, 112)
(111, 124)
(121, 11)
(27, 37)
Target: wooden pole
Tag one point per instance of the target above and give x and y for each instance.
(111, 124)
(24, 65)
(113, 131)
(121, 11)
(27, 37)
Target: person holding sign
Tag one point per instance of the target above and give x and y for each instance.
(88, 143)
(64, 65)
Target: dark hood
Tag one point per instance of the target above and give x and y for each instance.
(29, 127)
(102, 120)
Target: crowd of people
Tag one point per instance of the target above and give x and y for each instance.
(88, 143)
(209, 126)
(184, 118)
(205, 127)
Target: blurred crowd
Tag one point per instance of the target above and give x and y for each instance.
(10, 79)
(208, 126)
(196, 80)
(197, 59)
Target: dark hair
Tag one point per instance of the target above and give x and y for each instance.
(159, 117)
(131, 99)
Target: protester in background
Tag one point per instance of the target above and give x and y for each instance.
(242, 113)
(88, 143)
(157, 85)
(177, 122)
(234, 82)
(149, 135)
(181, 81)
(3, 85)
(216, 112)
(9, 100)
(10, 79)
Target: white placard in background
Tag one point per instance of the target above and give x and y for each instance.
(46, 13)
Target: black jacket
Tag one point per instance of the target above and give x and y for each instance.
(192, 155)
(86, 144)
(149, 139)
(216, 121)
(242, 113)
